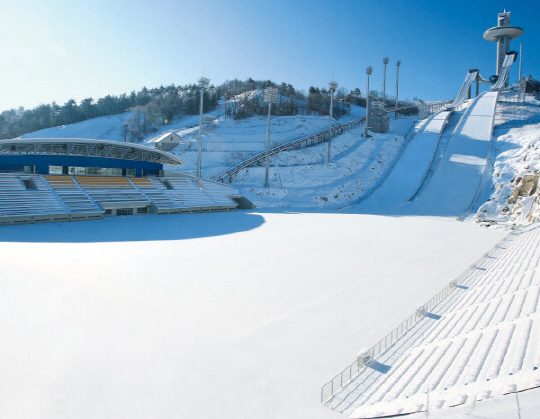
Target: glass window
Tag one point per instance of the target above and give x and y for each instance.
(124, 211)
(131, 172)
(101, 171)
(91, 170)
(71, 170)
(56, 170)
(80, 170)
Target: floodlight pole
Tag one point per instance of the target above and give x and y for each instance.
(369, 70)
(520, 54)
(332, 86)
(266, 182)
(270, 96)
(397, 85)
(385, 62)
(203, 82)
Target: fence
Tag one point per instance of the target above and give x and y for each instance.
(349, 373)
(428, 109)
(306, 141)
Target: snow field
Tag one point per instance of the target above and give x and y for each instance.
(233, 315)
(304, 179)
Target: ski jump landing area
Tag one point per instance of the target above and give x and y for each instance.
(453, 187)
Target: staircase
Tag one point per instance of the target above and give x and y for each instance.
(74, 197)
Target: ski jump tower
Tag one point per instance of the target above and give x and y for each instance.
(502, 35)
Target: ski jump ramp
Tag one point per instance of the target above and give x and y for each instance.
(453, 188)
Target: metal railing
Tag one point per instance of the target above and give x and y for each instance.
(350, 372)
(306, 141)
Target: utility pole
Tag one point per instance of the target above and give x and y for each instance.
(203, 83)
(369, 70)
(270, 96)
(397, 85)
(332, 86)
(520, 55)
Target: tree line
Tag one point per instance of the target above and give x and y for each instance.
(153, 108)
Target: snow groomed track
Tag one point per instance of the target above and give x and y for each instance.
(410, 169)
(487, 330)
(453, 187)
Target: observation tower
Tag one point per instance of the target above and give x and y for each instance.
(502, 34)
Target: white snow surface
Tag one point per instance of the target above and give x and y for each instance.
(247, 314)
(479, 342)
(302, 179)
(230, 315)
(102, 128)
(517, 133)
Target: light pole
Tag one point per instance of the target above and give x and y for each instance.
(397, 85)
(385, 62)
(520, 53)
(332, 85)
(203, 83)
(270, 96)
(369, 70)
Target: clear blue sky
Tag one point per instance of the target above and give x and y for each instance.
(56, 50)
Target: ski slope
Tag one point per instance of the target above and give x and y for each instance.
(453, 187)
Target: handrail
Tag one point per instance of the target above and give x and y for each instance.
(320, 135)
(349, 373)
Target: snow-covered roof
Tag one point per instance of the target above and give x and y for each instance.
(87, 147)
(164, 136)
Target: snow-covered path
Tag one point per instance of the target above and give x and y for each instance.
(483, 340)
(454, 184)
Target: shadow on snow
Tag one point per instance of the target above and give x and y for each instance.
(134, 228)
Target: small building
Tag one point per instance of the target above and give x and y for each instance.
(167, 141)
(379, 120)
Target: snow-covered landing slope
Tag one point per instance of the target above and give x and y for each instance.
(454, 184)
(481, 341)
(410, 169)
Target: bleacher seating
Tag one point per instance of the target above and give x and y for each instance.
(109, 188)
(479, 342)
(156, 192)
(84, 197)
(190, 193)
(103, 182)
(220, 193)
(74, 197)
(19, 203)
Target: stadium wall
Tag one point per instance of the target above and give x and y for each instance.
(42, 162)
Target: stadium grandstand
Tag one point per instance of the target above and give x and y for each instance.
(52, 180)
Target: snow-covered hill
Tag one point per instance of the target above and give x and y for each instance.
(512, 195)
